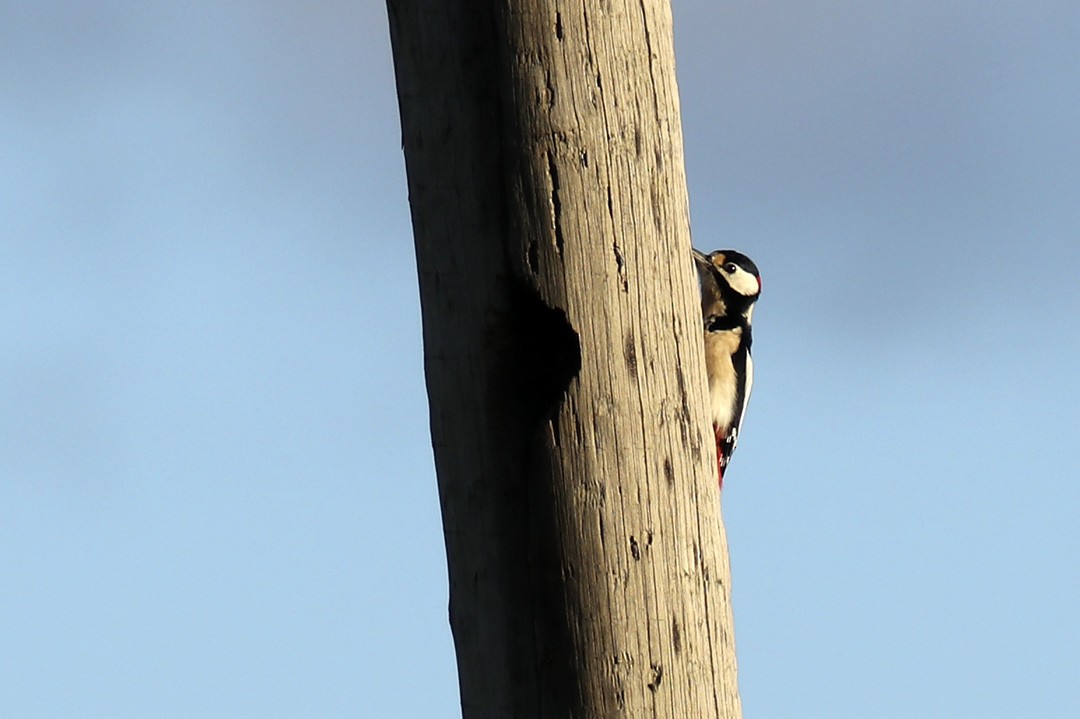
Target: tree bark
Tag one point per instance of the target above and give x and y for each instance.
(562, 338)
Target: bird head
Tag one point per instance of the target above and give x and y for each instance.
(730, 282)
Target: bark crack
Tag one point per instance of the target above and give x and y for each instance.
(649, 52)
(556, 202)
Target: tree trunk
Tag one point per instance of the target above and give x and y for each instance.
(562, 337)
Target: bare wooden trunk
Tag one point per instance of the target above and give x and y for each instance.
(587, 559)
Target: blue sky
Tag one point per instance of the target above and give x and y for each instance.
(216, 486)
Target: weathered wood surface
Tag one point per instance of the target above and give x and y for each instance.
(587, 559)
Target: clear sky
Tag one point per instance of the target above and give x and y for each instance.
(216, 487)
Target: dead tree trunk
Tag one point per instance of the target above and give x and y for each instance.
(587, 560)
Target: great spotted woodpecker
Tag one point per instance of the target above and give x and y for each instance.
(730, 285)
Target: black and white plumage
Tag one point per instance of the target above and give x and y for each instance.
(730, 285)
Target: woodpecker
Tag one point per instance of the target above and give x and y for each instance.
(730, 285)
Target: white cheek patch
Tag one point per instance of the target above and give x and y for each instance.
(743, 282)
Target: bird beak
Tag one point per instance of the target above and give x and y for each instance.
(700, 257)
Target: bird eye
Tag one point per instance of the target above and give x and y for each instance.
(730, 267)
